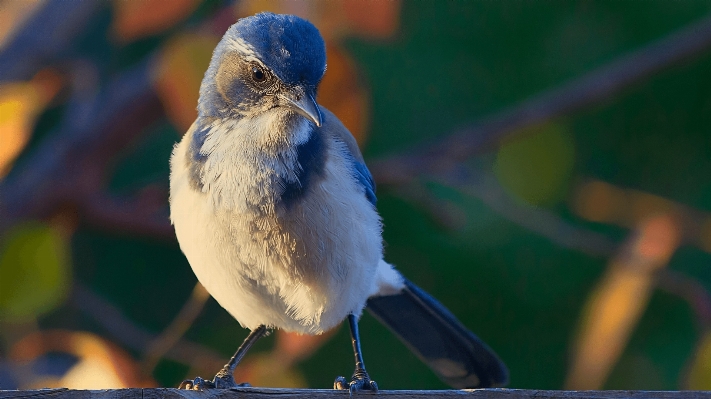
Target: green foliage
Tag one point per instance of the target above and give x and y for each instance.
(34, 271)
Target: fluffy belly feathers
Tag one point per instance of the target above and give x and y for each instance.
(293, 273)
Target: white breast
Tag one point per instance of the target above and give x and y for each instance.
(302, 271)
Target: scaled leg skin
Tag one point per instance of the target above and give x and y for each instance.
(361, 380)
(224, 379)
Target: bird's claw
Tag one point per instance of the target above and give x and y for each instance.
(360, 382)
(340, 383)
(197, 384)
(219, 382)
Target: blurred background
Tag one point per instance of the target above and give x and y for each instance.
(543, 168)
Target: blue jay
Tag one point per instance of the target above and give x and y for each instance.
(274, 208)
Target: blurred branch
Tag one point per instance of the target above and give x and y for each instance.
(45, 37)
(132, 336)
(147, 218)
(690, 290)
(476, 183)
(602, 202)
(445, 214)
(68, 170)
(72, 163)
(129, 104)
(592, 88)
(171, 335)
(696, 373)
(482, 185)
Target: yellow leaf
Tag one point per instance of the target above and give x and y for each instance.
(537, 167)
(20, 105)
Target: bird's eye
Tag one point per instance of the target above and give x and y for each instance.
(258, 74)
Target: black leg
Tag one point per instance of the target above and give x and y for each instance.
(224, 379)
(361, 380)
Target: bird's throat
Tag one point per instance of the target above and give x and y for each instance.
(255, 163)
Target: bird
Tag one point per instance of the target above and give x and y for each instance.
(275, 210)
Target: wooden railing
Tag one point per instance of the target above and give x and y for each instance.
(281, 393)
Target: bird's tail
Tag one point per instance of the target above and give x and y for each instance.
(430, 331)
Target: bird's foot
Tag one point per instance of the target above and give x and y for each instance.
(359, 382)
(221, 381)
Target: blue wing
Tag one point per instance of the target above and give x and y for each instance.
(335, 128)
(364, 177)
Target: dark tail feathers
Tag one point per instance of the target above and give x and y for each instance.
(430, 331)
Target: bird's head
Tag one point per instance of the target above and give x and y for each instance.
(265, 63)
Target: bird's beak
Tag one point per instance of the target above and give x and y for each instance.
(306, 105)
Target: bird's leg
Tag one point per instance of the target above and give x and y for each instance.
(361, 380)
(224, 379)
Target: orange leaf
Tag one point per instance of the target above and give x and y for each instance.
(373, 19)
(336, 18)
(342, 92)
(136, 19)
(181, 67)
(618, 301)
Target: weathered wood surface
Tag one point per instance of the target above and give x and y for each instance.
(262, 393)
